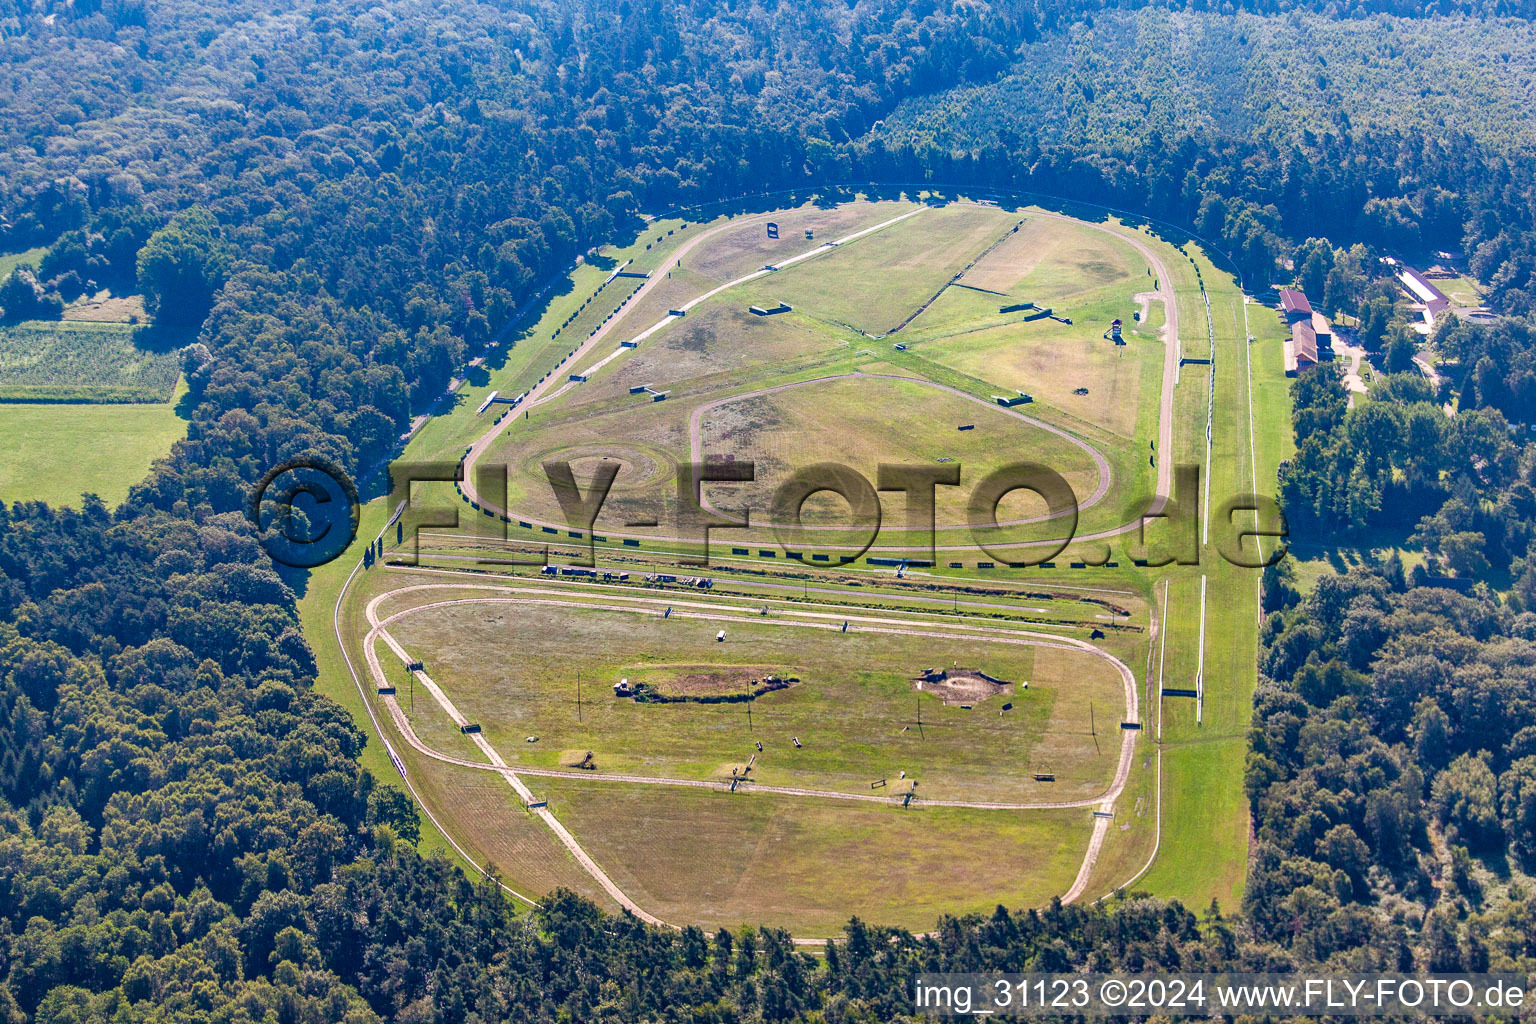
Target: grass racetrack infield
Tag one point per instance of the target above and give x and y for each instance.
(1049, 259)
(864, 421)
(721, 860)
(875, 283)
(744, 247)
(1035, 851)
(731, 380)
(855, 708)
(55, 452)
(856, 419)
(1052, 361)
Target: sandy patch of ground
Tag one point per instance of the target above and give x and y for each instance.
(961, 685)
(107, 309)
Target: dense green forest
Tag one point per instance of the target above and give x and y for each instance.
(350, 201)
(1113, 77)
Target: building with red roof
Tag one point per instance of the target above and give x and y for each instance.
(1293, 302)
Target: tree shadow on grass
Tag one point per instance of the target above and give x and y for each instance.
(185, 405)
(297, 579)
(162, 340)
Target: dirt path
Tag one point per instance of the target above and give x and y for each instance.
(1145, 300)
(1353, 382)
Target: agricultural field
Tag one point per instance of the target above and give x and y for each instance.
(86, 362)
(885, 685)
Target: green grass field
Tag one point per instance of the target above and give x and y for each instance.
(56, 452)
(874, 283)
(10, 261)
(833, 418)
(855, 708)
(1462, 291)
(720, 861)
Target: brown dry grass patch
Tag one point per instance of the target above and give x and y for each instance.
(703, 680)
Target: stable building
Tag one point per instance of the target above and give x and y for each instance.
(1301, 350)
(1294, 304)
(1323, 331)
(1429, 300)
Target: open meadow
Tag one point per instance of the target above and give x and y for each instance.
(86, 403)
(55, 452)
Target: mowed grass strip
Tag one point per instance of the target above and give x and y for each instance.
(1205, 837)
